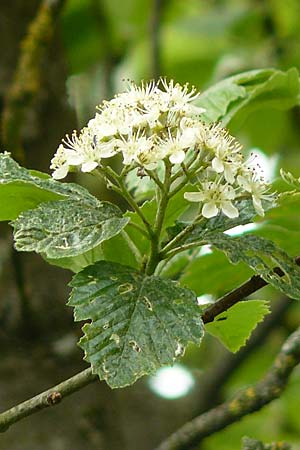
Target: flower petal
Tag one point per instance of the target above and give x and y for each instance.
(73, 158)
(217, 165)
(177, 157)
(209, 210)
(258, 206)
(193, 196)
(61, 172)
(229, 210)
(89, 166)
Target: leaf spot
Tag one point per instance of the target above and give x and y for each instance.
(147, 303)
(105, 326)
(179, 349)
(178, 301)
(135, 346)
(125, 288)
(115, 337)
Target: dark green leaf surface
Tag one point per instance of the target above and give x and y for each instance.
(138, 323)
(234, 98)
(262, 256)
(67, 228)
(234, 326)
(22, 189)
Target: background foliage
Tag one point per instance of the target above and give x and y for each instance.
(87, 48)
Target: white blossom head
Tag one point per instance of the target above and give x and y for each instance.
(156, 123)
(143, 124)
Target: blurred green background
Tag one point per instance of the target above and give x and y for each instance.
(85, 49)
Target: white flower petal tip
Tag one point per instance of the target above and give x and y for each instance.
(209, 210)
(229, 210)
(217, 165)
(89, 166)
(178, 157)
(60, 173)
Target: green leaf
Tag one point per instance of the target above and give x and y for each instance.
(138, 323)
(67, 228)
(233, 99)
(116, 249)
(78, 262)
(262, 256)
(22, 189)
(234, 326)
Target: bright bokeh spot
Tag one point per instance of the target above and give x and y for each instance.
(172, 382)
(241, 229)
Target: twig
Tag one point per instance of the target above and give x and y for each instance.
(51, 397)
(254, 284)
(213, 381)
(245, 402)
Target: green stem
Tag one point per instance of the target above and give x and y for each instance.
(182, 248)
(155, 178)
(185, 179)
(172, 244)
(154, 257)
(139, 228)
(121, 189)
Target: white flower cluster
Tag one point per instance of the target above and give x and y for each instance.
(157, 122)
(227, 177)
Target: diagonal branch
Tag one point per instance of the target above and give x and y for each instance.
(245, 402)
(249, 287)
(47, 398)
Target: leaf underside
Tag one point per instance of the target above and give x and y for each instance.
(234, 326)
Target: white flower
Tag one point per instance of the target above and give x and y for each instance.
(251, 183)
(226, 150)
(177, 98)
(134, 145)
(174, 146)
(59, 164)
(214, 197)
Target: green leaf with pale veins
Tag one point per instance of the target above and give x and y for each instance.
(262, 256)
(234, 326)
(67, 228)
(22, 189)
(138, 322)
